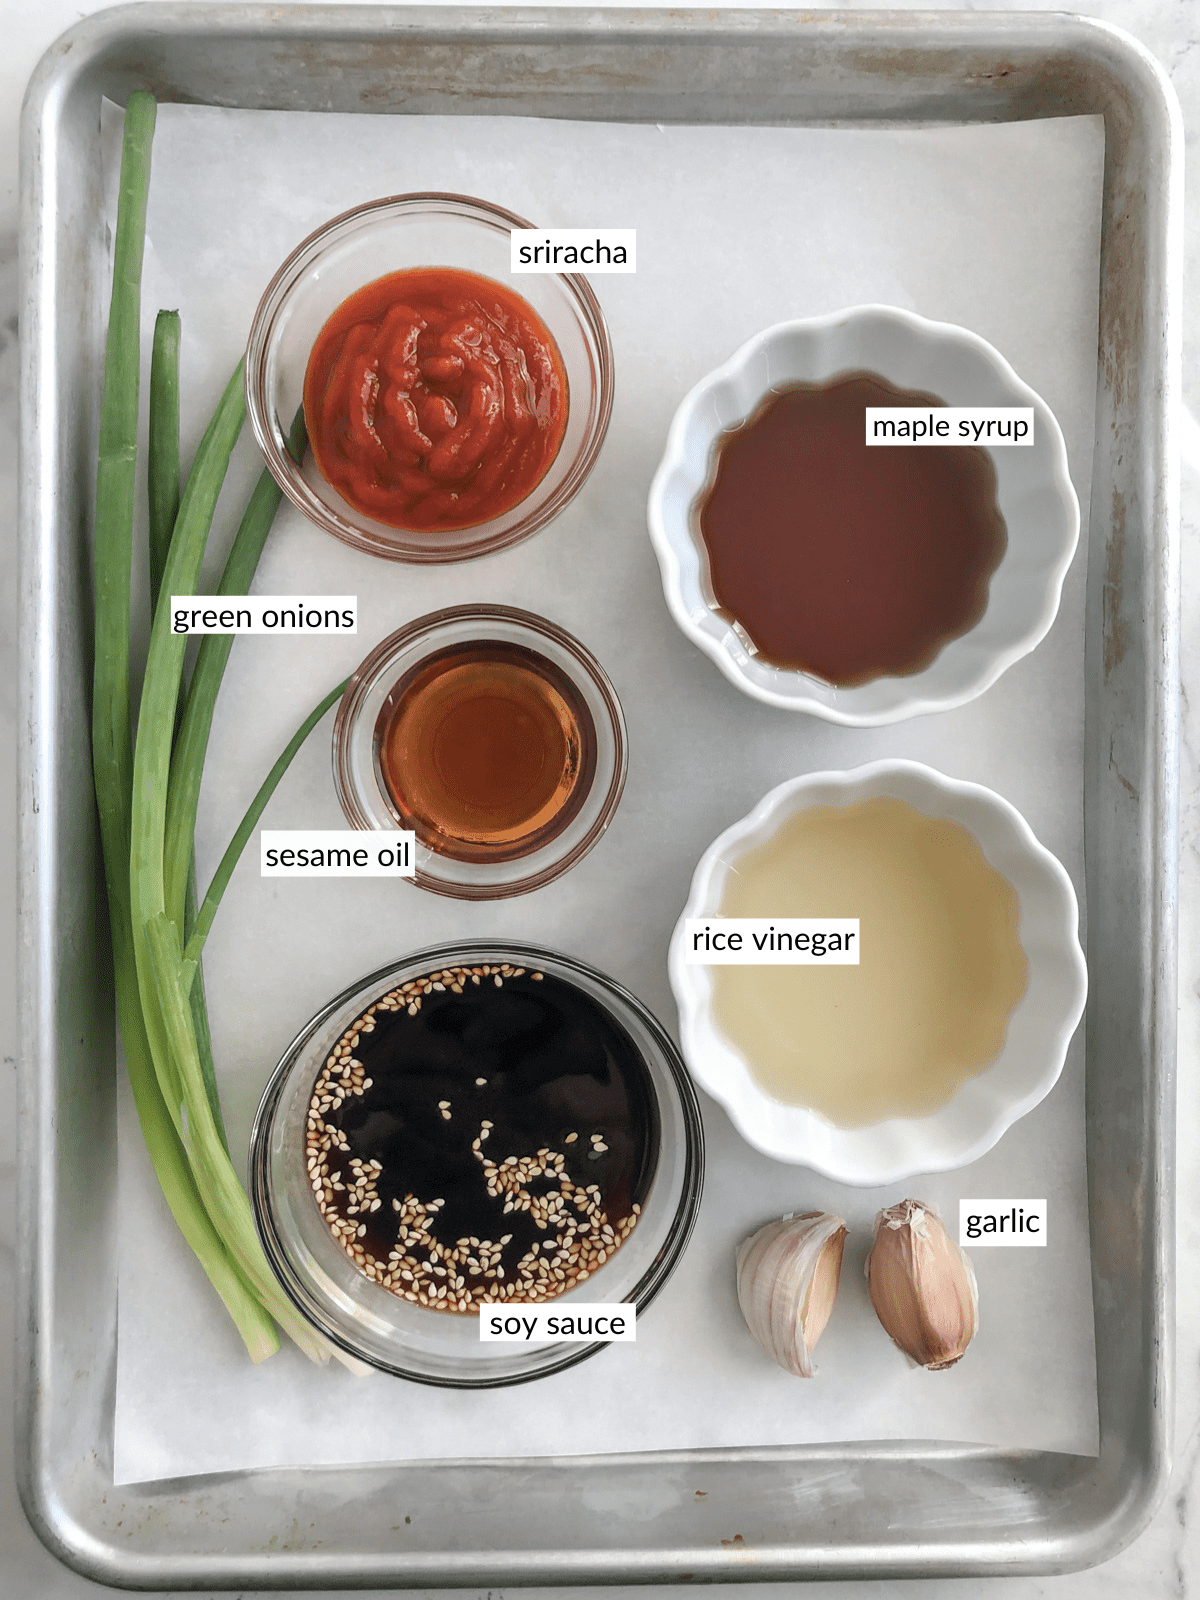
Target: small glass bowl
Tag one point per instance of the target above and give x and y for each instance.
(358, 778)
(419, 230)
(437, 1347)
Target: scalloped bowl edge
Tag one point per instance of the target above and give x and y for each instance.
(984, 1107)
(1041, 511)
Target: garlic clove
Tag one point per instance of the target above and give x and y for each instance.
(787, 1280)
(922, 1286)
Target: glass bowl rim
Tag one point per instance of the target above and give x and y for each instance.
(373, 664)
(472, 541)
(687, 1209)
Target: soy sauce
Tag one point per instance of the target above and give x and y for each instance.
(483, 1132)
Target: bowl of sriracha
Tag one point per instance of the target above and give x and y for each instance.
(412, 403)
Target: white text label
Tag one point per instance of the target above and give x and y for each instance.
(279, 614)
(771, 941)
(950, 425)
(575, 1322)
(336, 853)
(573, 250)
(1001, 1222)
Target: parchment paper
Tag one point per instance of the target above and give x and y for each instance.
(995, 228)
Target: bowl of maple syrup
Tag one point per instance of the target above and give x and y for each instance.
(860, 583)
(494, 736)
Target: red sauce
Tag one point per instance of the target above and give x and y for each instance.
(435, 399)
(846, 561)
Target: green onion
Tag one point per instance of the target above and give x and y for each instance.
(163, 455)
(215, 1178)
(160, 695)
(112, 751)
(112, 746)
(191, 745)
(163, 478)
(229, 860)
(160, 1003)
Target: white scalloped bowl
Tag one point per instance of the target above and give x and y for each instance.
(1039, 1029)
(1034, 488)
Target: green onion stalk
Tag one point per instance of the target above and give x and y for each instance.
(147, 790)
(163, 476)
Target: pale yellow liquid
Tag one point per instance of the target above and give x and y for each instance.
(941, 968)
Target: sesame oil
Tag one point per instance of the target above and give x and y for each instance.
(486, 749)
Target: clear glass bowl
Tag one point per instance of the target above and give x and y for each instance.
(438, 1347)
(359, 781)
(419, 230)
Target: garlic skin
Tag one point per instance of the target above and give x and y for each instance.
(787, 1280)
(922, 1286)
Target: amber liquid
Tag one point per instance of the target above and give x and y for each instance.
(847, 561)
(487, 750)
(941, 966)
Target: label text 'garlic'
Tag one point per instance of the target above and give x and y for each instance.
(1002, 1222)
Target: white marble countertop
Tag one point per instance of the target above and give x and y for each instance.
(1165, 1560)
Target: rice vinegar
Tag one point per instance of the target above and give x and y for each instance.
(941, 965)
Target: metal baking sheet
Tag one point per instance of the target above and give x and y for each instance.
(956, 1509)
(812, 219)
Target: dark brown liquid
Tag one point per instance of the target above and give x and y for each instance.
(848, 561)
(491, 1122)
(487, 749)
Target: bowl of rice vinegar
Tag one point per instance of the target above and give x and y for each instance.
(953, 1021)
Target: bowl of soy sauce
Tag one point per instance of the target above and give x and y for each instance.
(479, 1124)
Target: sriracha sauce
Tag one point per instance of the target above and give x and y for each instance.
(435, 399)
